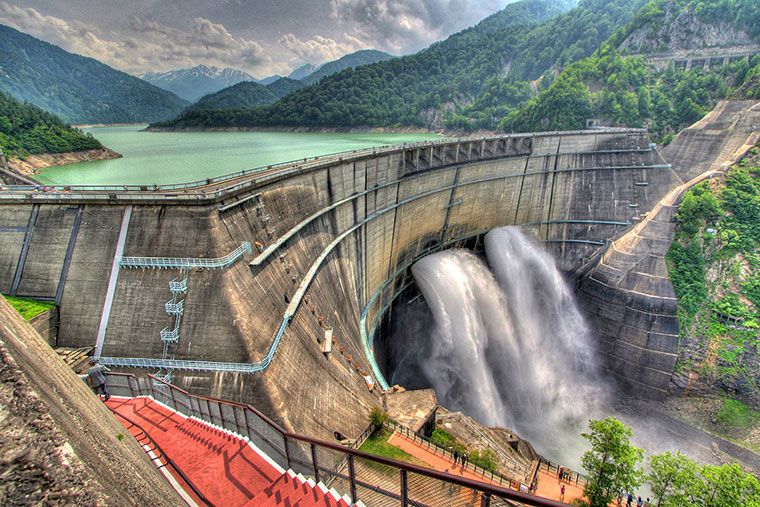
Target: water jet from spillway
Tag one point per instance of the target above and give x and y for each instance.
(508, 345)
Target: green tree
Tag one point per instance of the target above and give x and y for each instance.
(612, 462)
(727, 486)
(673, 479)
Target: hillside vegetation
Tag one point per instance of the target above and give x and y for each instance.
(26, 129)
(714, 264)
(408, 90)
(78, 89)
(243, 94)
(529, 68)
(626, 91)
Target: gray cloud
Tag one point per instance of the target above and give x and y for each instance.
(262, 37)
(147, 45)
(321, 49)
(405, 26)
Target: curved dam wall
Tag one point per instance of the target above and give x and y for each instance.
(336, 237)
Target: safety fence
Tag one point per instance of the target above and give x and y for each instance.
(515, 467)
(487, 473)
(186, 263)
(562, 472)
(254, 176)
(374, 480)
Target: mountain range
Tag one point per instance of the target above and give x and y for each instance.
(192, 84)
(533, 66)
(77, 88)
(251, 93)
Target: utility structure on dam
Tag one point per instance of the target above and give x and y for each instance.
(267, 286)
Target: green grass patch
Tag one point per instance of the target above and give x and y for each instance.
(29, 308)
(377, 444)
(444, 439)
(736, 413)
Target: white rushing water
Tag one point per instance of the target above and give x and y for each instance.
(508, 345)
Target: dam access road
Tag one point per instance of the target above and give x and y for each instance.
(266, 286)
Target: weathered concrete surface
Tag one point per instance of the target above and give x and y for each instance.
(46, 325)
(60, 441)
(573, 190)
(411, 409)
(628, 297)
(717, 140)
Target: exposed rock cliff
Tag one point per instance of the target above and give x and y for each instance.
(679, 31)
(33, 163)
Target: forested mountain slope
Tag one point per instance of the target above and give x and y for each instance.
(27, 129)
(248, 94)
(622, 89)
(403, 91)
(353, 60)
(76, 88)
(243, 94)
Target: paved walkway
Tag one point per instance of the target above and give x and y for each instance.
(549, 486)
(434, 460)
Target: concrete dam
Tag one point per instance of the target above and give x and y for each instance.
(267, 286)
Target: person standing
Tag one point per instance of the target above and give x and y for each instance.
(97, 375)
(562, 493)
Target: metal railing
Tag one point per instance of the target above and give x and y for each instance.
(487, 473)
(178, 192)
(516, 467)
(173, 308)
(186, 263)
(375, 480)
(567, 474)
(178, 287)
(170, 335)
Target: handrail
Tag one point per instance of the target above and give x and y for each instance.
(487, 489)
(141, 192)
(169, 461)
(485, 437)
(444, 451)
(186, 262)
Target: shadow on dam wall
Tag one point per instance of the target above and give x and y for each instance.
(338, 236)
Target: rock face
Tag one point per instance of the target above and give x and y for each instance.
(679, 31)
(60, 443)
(33, 163)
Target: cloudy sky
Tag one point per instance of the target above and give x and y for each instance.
(261, 37)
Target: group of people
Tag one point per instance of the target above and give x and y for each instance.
(564, 474)
(629, 501)
(460, 457)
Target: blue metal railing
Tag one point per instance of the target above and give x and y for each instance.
(175, 307)
(170, 336)
(186, 263)
(178, 287)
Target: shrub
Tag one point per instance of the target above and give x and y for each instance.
(378, 417)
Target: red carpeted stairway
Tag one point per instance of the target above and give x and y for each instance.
(228, 470)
